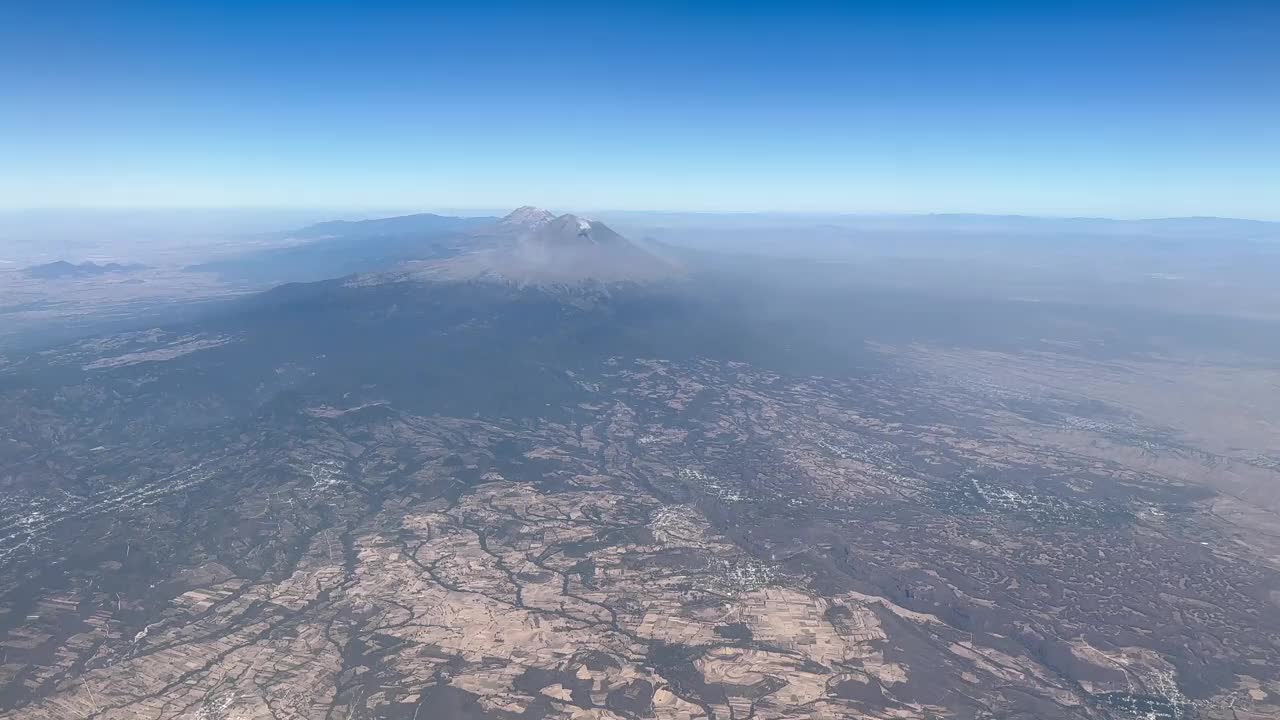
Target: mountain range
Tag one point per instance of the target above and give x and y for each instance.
(529, 246)
(62, 270)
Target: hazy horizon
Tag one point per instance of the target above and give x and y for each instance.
(348, 212)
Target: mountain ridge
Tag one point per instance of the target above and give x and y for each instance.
(546, 250)
(62, 269)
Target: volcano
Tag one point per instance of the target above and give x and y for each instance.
(533, 247)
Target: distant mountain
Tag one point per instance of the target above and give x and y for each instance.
(63, 270)
(531, 246)
(1190, 228)
(340, 247)
(528, 216)
(391, 226)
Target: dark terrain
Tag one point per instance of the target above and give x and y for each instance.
(726, 487)
(62, 270)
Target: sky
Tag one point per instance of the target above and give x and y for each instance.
(1089, 108)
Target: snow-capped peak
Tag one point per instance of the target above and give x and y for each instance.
(528, 215)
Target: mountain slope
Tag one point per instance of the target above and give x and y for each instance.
(530, 247)
(341, 247)
(398, 225)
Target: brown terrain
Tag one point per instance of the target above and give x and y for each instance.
(701, 540)
(390, 499)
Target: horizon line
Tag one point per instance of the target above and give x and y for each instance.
(482, 211)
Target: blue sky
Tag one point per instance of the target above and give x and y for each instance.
(1115, 109)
